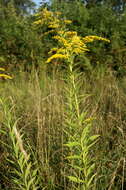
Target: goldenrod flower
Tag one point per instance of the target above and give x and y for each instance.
(61, 40)
(88, 39)
(56, 56)
(58, 13)
(2, 69)
(49, 32)
(5, 76)
(37, 22)
(69, 43)
(46, 13)
(67, 21)
(53, 50)
(71, 33)
(60, 32)
(53, 26)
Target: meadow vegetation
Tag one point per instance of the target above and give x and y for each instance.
(63, 95)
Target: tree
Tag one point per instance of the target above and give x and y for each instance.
(22, 6)
(19, 43)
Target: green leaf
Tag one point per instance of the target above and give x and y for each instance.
(89, 146)
(17, 172)
(92, 138)
(11, 161)
(30, 182)
(16, 149)
(27, 172)
(35, 172)
(90, 180)
(77, 167)
(21, 161)
(73, 157)
(2, 131)
(72, 144)
(90, 169)
(75, 179)
(85, 133)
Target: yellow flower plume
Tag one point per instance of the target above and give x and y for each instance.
(88, 39)
(4, 75)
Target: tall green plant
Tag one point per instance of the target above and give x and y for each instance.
(24, 172)
(80, 140)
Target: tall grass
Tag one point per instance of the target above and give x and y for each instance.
(43, 108)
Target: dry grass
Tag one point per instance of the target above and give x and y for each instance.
(39, 103)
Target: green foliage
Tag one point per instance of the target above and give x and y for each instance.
(21, 6)
(19, 44)
(80, 140)
(24, 172)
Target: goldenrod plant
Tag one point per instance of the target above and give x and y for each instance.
(78, 127)
(24, 171)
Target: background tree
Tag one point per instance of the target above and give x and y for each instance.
(19, 43)
(21, 6)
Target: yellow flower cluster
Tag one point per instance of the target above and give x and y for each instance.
(58, 13)
(69, 43)
(77, 45)
(43, 17)
(71, 33)
(4, 75)
(61, 40)
(56, 56)
(67, 21)
(51, 20)
(2, 69)
(53, 25)
(88, 39)
(37, 22)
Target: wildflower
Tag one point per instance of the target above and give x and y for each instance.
(56, 56)
(71, 33)
(88, 39)
(67, 21)
(61, 40)
(58, 13)
(53, 25)
(60, 32)
(2, 69)
(5, 76)
(53, 50)
(49, 32)
(69, 43)
(38, 22)
(46, 13)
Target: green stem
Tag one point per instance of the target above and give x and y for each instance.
(72, 77)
